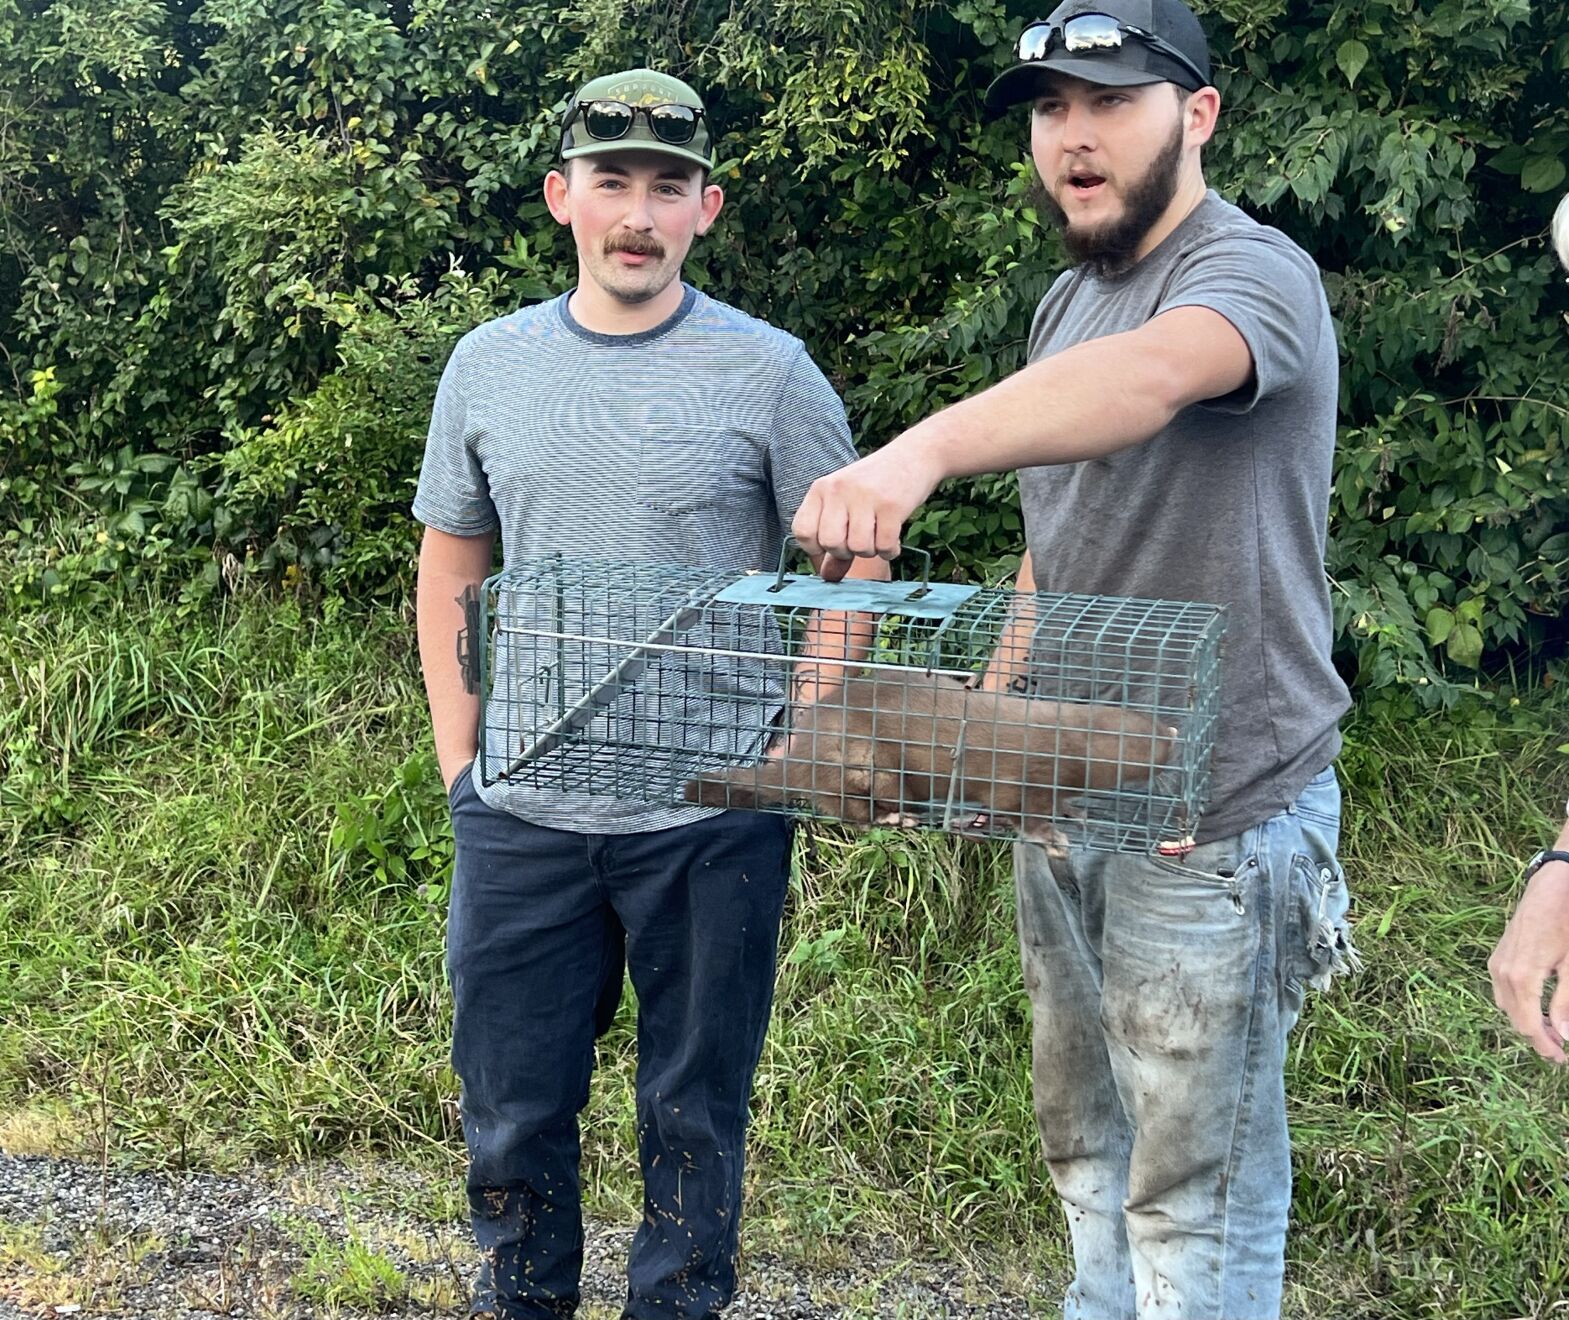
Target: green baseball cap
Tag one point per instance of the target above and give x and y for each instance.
(658, 113)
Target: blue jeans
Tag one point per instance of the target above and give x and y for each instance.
(1162, 991)
(539, 924)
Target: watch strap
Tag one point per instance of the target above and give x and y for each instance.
(1542, 858)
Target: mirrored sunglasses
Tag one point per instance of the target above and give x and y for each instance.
(1089, 34)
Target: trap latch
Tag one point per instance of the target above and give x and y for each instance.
(806, 591)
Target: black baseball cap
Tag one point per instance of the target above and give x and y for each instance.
(1146, 26)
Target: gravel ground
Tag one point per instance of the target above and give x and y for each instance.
(281, 1245)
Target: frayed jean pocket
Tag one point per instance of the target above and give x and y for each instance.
(1318, 939)
(1188, 887)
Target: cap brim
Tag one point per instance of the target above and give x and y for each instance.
(1022, 82)
(596, 148)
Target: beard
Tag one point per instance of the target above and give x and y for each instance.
(1109, 249)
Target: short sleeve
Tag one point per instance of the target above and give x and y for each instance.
(1271, 293)
(810, 436)
(454, 493)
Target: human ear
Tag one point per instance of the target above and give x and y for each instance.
(713, 200)
(1200, 114)
(556, 197)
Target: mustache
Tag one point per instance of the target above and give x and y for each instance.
(637, 244)
(1040, 196)
(1065, 177)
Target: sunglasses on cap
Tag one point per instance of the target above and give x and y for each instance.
(1087, 34)
(609, 121)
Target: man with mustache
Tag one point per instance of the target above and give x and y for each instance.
(1173, 433)
(630, 419)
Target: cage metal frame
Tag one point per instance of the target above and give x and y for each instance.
(940, 631)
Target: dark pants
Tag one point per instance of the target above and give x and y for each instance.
(539, 925)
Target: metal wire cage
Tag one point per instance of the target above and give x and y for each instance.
(1067, 720)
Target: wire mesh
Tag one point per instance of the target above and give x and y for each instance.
(1067, 720)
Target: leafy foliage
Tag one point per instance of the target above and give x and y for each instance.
(236, 241)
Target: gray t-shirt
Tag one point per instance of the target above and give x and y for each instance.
(692, 443)
(1229, 504)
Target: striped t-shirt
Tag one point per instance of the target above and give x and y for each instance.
(691, 443)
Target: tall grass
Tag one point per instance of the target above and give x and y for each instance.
(223, 856)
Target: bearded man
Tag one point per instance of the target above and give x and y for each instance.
(1173, 432)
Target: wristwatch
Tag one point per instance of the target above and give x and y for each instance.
(1542, 858)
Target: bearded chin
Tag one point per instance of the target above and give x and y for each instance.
(1110, 249)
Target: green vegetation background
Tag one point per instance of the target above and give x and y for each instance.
(237, 241)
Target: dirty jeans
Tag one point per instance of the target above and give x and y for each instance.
(538, 926)
(1162, 991)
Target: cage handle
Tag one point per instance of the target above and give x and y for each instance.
(926, 568)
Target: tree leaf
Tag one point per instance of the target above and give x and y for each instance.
(1542, 174)
(1352, 59)
(1465, 646)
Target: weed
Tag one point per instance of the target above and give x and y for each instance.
(344, 1272)
(40, 1274)
(42, 1127)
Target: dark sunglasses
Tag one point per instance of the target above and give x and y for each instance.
(609, 121)
(1086, 34)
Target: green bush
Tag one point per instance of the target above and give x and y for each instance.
(326, 484)
(230, 235)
